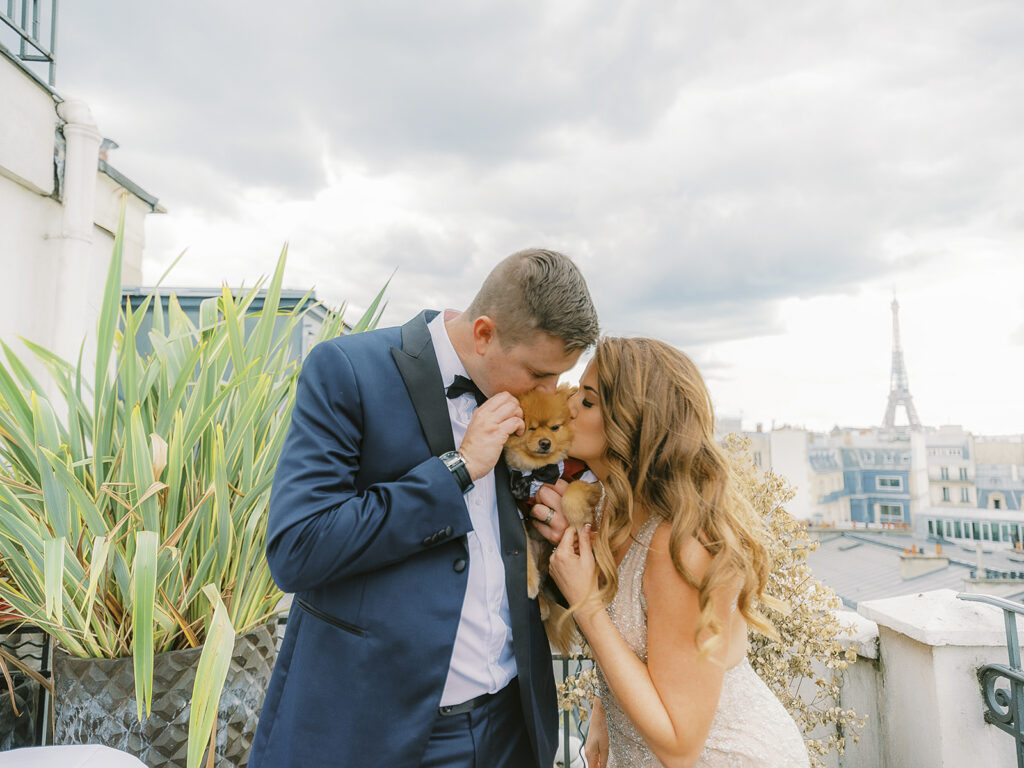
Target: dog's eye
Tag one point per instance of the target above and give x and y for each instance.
(532, 429)
(555, 428)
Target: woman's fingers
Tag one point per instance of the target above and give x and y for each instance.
(567, 545)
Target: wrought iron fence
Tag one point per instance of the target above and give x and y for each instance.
(34, 27)
(572, 731)
(1004, 707)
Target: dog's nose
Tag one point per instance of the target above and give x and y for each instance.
(545, 444)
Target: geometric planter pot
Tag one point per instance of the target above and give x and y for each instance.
(95, 702)
(29, 646)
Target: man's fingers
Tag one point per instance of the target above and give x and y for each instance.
(502, 403)
(512, 424)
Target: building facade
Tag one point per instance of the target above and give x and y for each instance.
(61, 202)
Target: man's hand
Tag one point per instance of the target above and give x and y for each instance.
(487, 432)
(547, 512)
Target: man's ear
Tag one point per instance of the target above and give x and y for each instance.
(484, 334)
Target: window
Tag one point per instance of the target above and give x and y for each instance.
(965, 494)
(957, 532)
(931, 526)
(944, 473)
(888, 513)
(945, 493)
(995, 532)
(977, 531)
(963, 473)
(757, 458)
(997, 503)
(890, 483)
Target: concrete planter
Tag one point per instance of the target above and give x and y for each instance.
(95, 702)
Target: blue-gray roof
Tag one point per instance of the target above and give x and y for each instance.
(866, 566)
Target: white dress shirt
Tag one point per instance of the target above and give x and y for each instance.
(482, 659)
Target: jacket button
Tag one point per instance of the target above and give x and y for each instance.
(459, 565)
(449, 531)
(427, 542)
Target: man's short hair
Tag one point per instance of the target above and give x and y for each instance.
(538, 290)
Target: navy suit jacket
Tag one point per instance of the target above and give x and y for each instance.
(368, 528)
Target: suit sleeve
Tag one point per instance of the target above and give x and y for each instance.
(322, 529)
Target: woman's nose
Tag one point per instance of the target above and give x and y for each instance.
(574, 408)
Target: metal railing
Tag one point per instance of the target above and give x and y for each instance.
(1004, 707)
(572, 733)
(30, 20)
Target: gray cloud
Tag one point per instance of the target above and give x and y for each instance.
(702, 161)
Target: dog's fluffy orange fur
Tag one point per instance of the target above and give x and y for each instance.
(546, 440)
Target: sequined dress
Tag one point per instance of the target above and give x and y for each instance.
(750, 728)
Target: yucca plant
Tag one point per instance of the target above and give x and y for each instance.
(133, 506)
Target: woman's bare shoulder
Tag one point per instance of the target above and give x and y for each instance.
(661, 574)
(693, 555)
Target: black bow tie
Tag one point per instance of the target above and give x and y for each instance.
(463, 386)
(546, 474)
(521, 482)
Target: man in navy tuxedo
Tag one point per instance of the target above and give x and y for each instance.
(411, 642)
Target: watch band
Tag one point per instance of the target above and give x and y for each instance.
(457, 466)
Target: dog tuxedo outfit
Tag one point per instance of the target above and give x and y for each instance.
(526, 484)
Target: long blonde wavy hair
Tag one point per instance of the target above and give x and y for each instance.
(664, 461)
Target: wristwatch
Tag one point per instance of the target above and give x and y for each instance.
(457, 466)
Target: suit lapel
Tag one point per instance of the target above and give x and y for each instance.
(513, 547)
(417, 364)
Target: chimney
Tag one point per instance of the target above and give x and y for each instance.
(913, 565)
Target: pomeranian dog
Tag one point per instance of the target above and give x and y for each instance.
(541, 455)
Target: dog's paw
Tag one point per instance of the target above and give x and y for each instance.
(579, 501)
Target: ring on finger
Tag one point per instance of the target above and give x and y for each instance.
(547, 520)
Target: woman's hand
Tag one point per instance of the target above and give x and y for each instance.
(547, 515)
(596, 749)
(574, 572)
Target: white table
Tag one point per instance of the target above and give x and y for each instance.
(82, 756)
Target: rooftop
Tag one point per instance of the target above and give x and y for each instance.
(865, 565)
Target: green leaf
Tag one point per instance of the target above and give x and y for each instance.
(100, 551)
(109, 315)
(143, 600)
(368, 316)
(53, 558)
(211, 673)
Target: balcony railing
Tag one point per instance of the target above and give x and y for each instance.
(32, 26)
(1004, 707)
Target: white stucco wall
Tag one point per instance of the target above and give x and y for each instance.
(931, 712)
(27, 127)
(55, 243)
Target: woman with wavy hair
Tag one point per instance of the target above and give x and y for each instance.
(666, 584)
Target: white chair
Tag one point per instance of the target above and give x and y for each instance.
(79, 756)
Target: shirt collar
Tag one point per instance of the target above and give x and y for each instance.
(448, 361)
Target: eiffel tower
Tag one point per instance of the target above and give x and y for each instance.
(899, 389)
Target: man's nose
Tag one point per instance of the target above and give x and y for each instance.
(547, 386)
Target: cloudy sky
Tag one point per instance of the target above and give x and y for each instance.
(749, 181)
